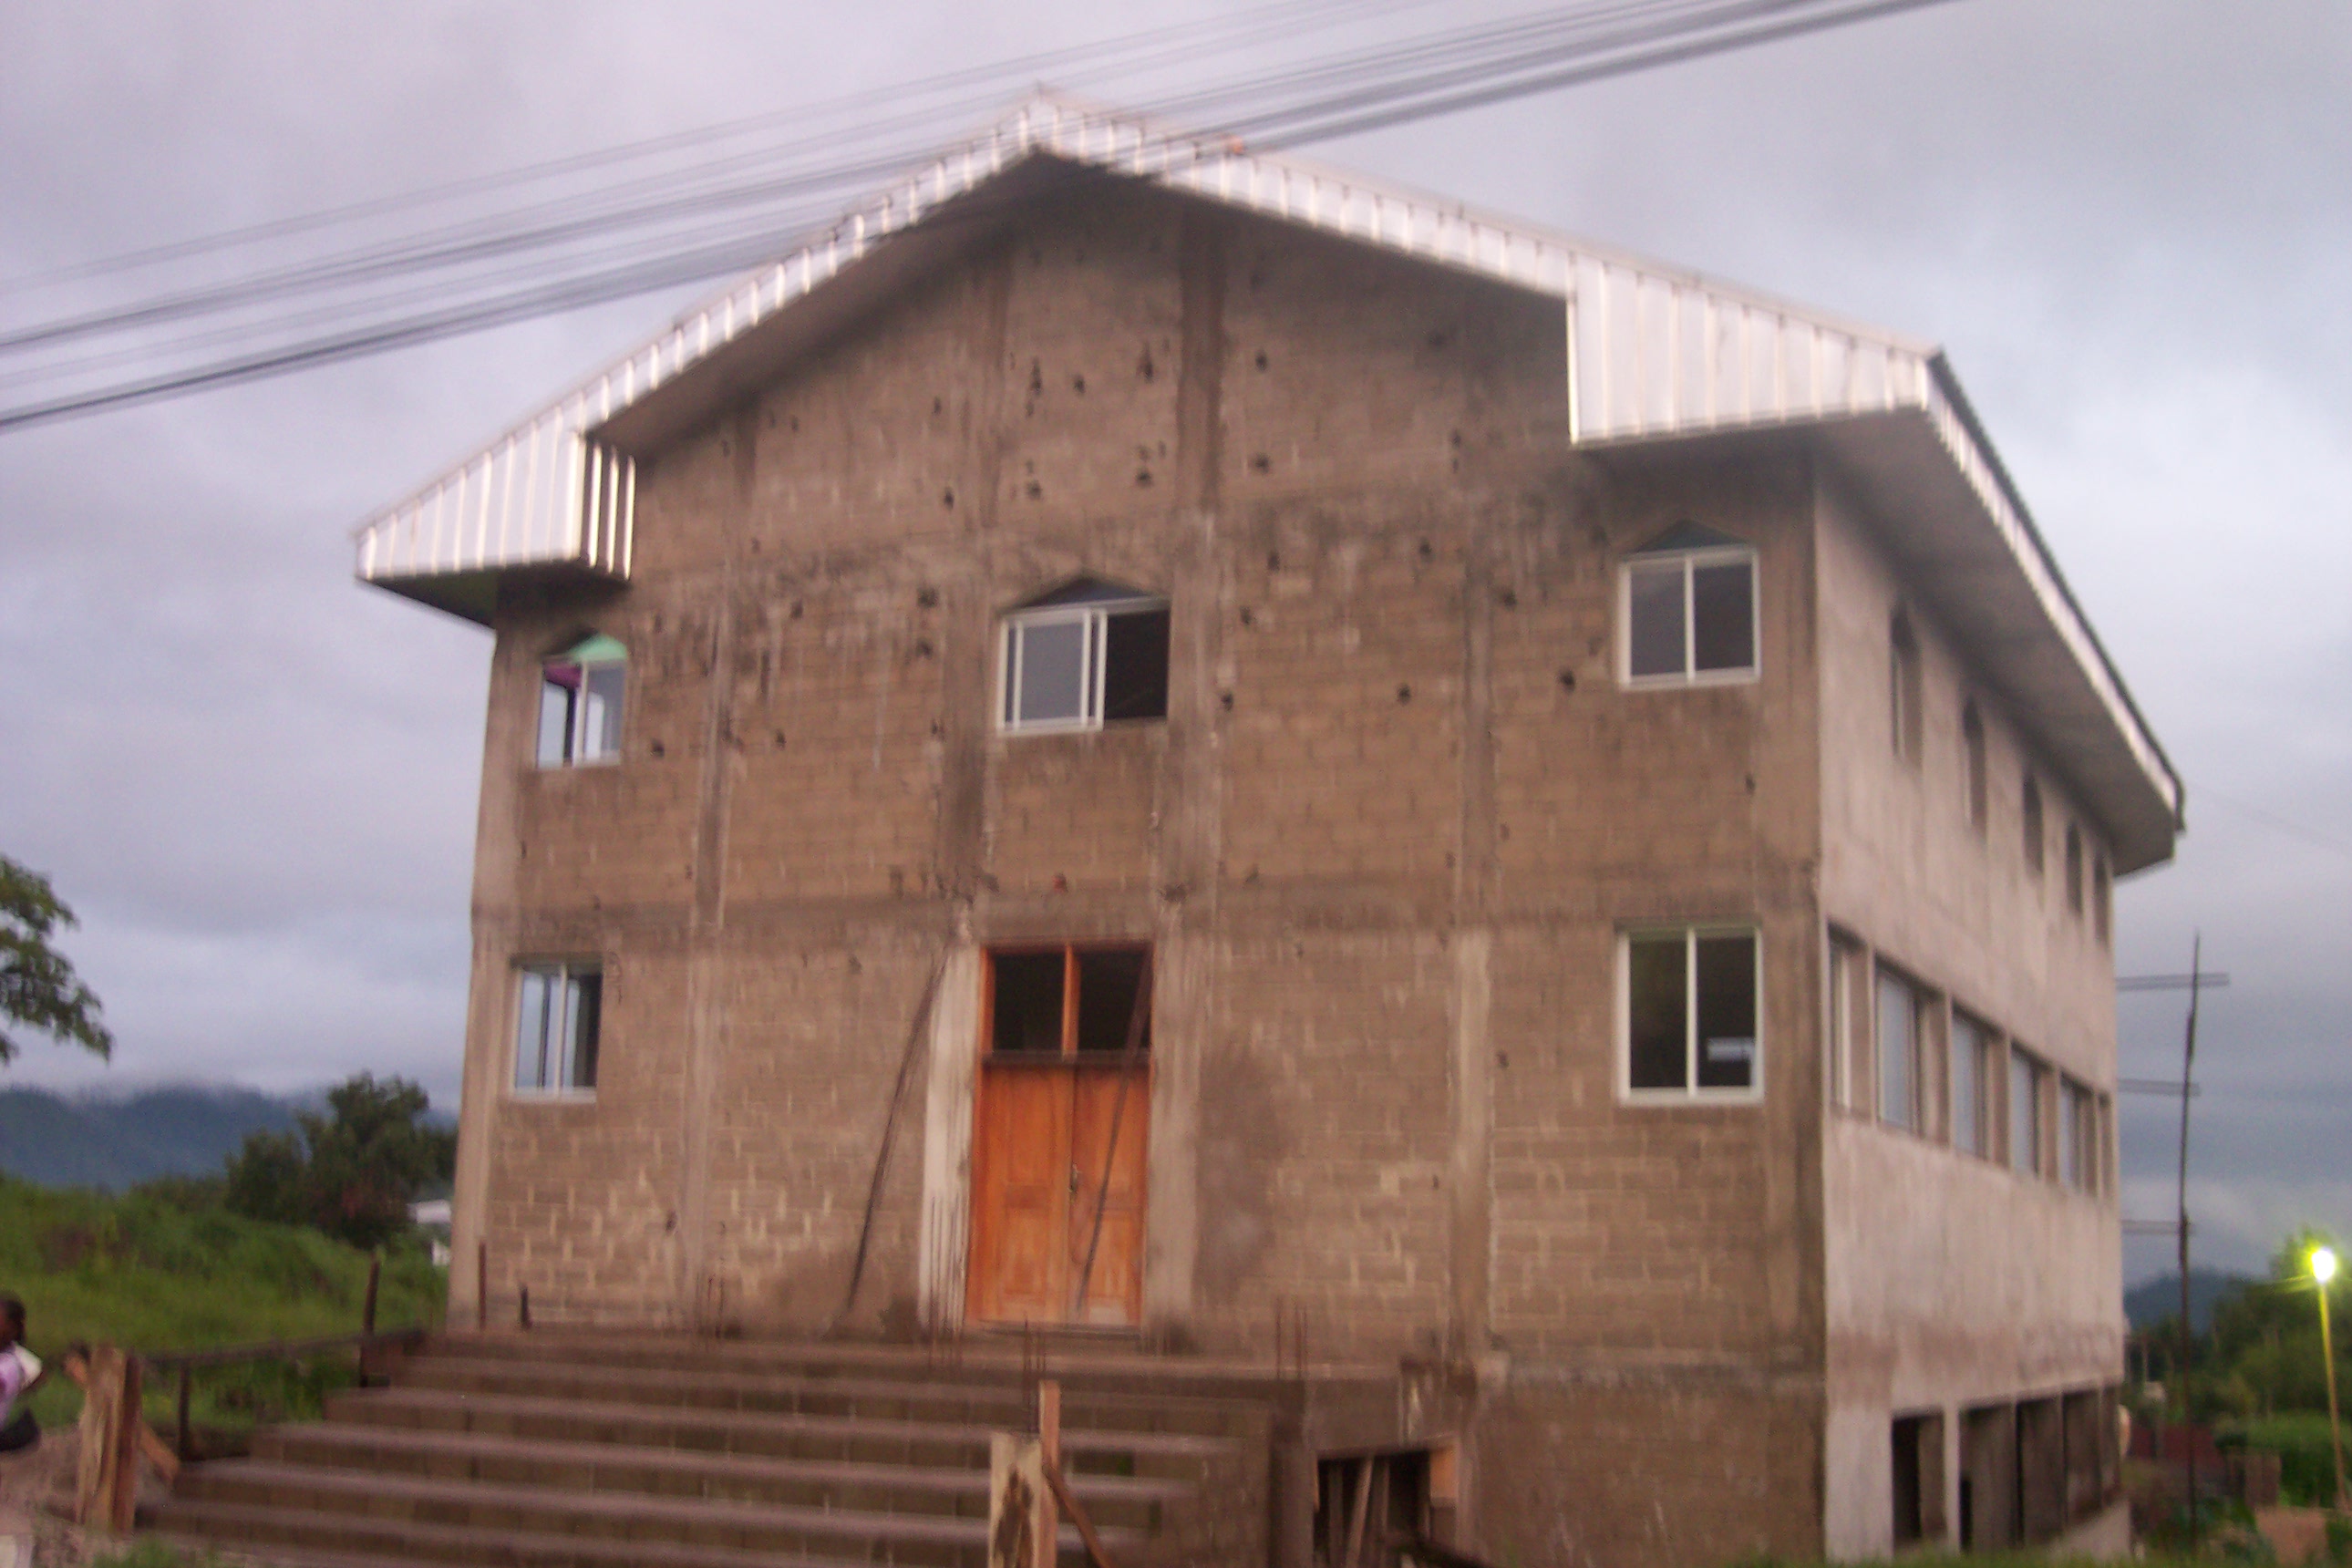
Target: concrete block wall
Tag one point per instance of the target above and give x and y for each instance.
(1385, 844)
(1953, 1281)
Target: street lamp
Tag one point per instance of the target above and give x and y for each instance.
(2323, 1269)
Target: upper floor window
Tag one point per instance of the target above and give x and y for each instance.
(559, 1009)
(2074, 869)
(2035, 834)
(2026, 1078)
(1972, 1086)
(1689, 608)
(580, 693)
(1084, 656)
(1691, 1013)
(1905, 1039)
(1903, 686)
(1972, 741)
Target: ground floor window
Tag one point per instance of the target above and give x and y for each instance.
(559, 1011)
(1691, 1012)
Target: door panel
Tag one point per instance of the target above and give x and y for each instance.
(1042, 1135)
(1020, 1194)
(1114, 1290)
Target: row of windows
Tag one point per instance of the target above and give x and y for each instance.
(1903, 1053)
(1906, 725)
(1689, 1007)
(1093, 653)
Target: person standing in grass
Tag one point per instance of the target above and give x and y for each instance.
(20, 1372)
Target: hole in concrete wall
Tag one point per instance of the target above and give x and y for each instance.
(1918, 1479)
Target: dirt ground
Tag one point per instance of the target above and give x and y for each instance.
(28, 1483)
(36, 1493)
(2295, 1534)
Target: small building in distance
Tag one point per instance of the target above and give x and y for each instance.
(1158, 740)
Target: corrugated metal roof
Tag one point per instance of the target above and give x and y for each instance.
(1654, 352)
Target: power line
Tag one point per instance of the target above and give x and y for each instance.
(1431, 74)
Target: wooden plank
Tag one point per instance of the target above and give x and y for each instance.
(1017, 1495)
(1079, 1518)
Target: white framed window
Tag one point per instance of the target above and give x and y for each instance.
(1085, 656)
(580, 693)
(1688, 604)
(1690, 1001)
(559, 1015)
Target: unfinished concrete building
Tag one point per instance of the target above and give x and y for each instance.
(1171, 745)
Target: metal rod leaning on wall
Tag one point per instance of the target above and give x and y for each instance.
(915, 1032)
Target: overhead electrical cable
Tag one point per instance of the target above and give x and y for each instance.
(716, 226)
(1176, 44)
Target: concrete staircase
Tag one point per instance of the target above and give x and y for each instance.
(562, 1450)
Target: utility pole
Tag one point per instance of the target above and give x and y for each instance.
(2193, 983)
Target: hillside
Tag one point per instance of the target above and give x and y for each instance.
(113, 1143)
(2153, 1300)
(147, 1275)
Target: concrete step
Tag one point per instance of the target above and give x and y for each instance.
(296, 1541)
(999, 1406)
(1085, 1366)
(1168, 1455)
(607, 1467)
(308, 1506)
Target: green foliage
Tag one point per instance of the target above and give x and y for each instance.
(152, 1553)
(2306, 1459)
(148, 1272)
(350, 1173)
(37, 987)
(2263, 1355)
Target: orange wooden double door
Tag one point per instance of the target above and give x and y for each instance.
(1059, 1137)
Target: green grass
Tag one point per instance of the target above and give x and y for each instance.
(148, 1274)
(2307, 1462)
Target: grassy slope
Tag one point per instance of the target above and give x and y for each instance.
(143, 1274)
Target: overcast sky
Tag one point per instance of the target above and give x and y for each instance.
(2129, 224)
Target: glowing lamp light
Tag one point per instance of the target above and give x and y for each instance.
(2323, 1264)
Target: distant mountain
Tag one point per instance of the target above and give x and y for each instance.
(111, 1143)
(2152, 1301)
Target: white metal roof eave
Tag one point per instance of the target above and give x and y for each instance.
(1394, 217)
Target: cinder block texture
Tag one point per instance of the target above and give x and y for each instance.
(1387, 841)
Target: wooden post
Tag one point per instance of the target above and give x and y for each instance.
(106, 1489)
(482, 1285)
(1359, 1514)
(367, 1303)
(1049, 1451)
(1016, 1488)
(180, 1446)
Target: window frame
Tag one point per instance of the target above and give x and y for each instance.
(1072, 955)
(1848, 965)
(1689, 562)
(1922, 1000)
(1987, 1103)
(1906, 687)
(1691, 1092)
(2037, 1070)
(562, 970)
(1093, 617)
(576, 721)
